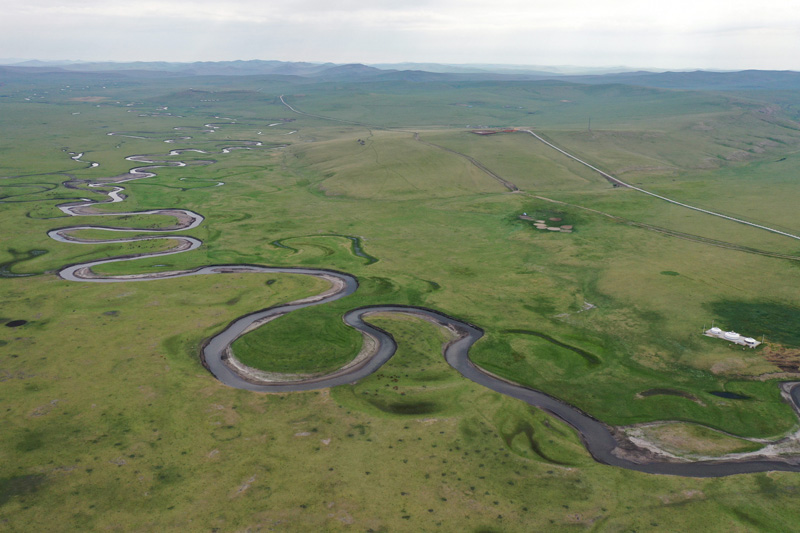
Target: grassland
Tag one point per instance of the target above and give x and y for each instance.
(112, 422)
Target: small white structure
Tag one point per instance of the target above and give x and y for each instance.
(731, 336)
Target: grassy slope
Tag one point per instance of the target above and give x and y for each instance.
(127, 429)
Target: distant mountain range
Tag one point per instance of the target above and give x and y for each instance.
(421, 72)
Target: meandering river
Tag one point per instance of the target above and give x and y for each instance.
(602, 442)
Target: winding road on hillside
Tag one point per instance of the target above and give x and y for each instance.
(602, 441)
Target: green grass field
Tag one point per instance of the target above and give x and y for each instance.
(112, 422)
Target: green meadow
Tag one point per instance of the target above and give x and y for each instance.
(111, 421)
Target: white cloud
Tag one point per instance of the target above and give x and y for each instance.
(710, 33)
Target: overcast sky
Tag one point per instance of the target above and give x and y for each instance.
(722, 34)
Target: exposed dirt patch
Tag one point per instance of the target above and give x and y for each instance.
(89, 99)
(681, 497)
(787, 359)
(42, 410)
(243, 487)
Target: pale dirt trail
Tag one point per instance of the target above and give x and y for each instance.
(621, 183)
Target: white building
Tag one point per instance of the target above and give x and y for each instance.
(731, 336)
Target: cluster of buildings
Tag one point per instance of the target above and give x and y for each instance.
(731, 336)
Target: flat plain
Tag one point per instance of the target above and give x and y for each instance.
(111, 421)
